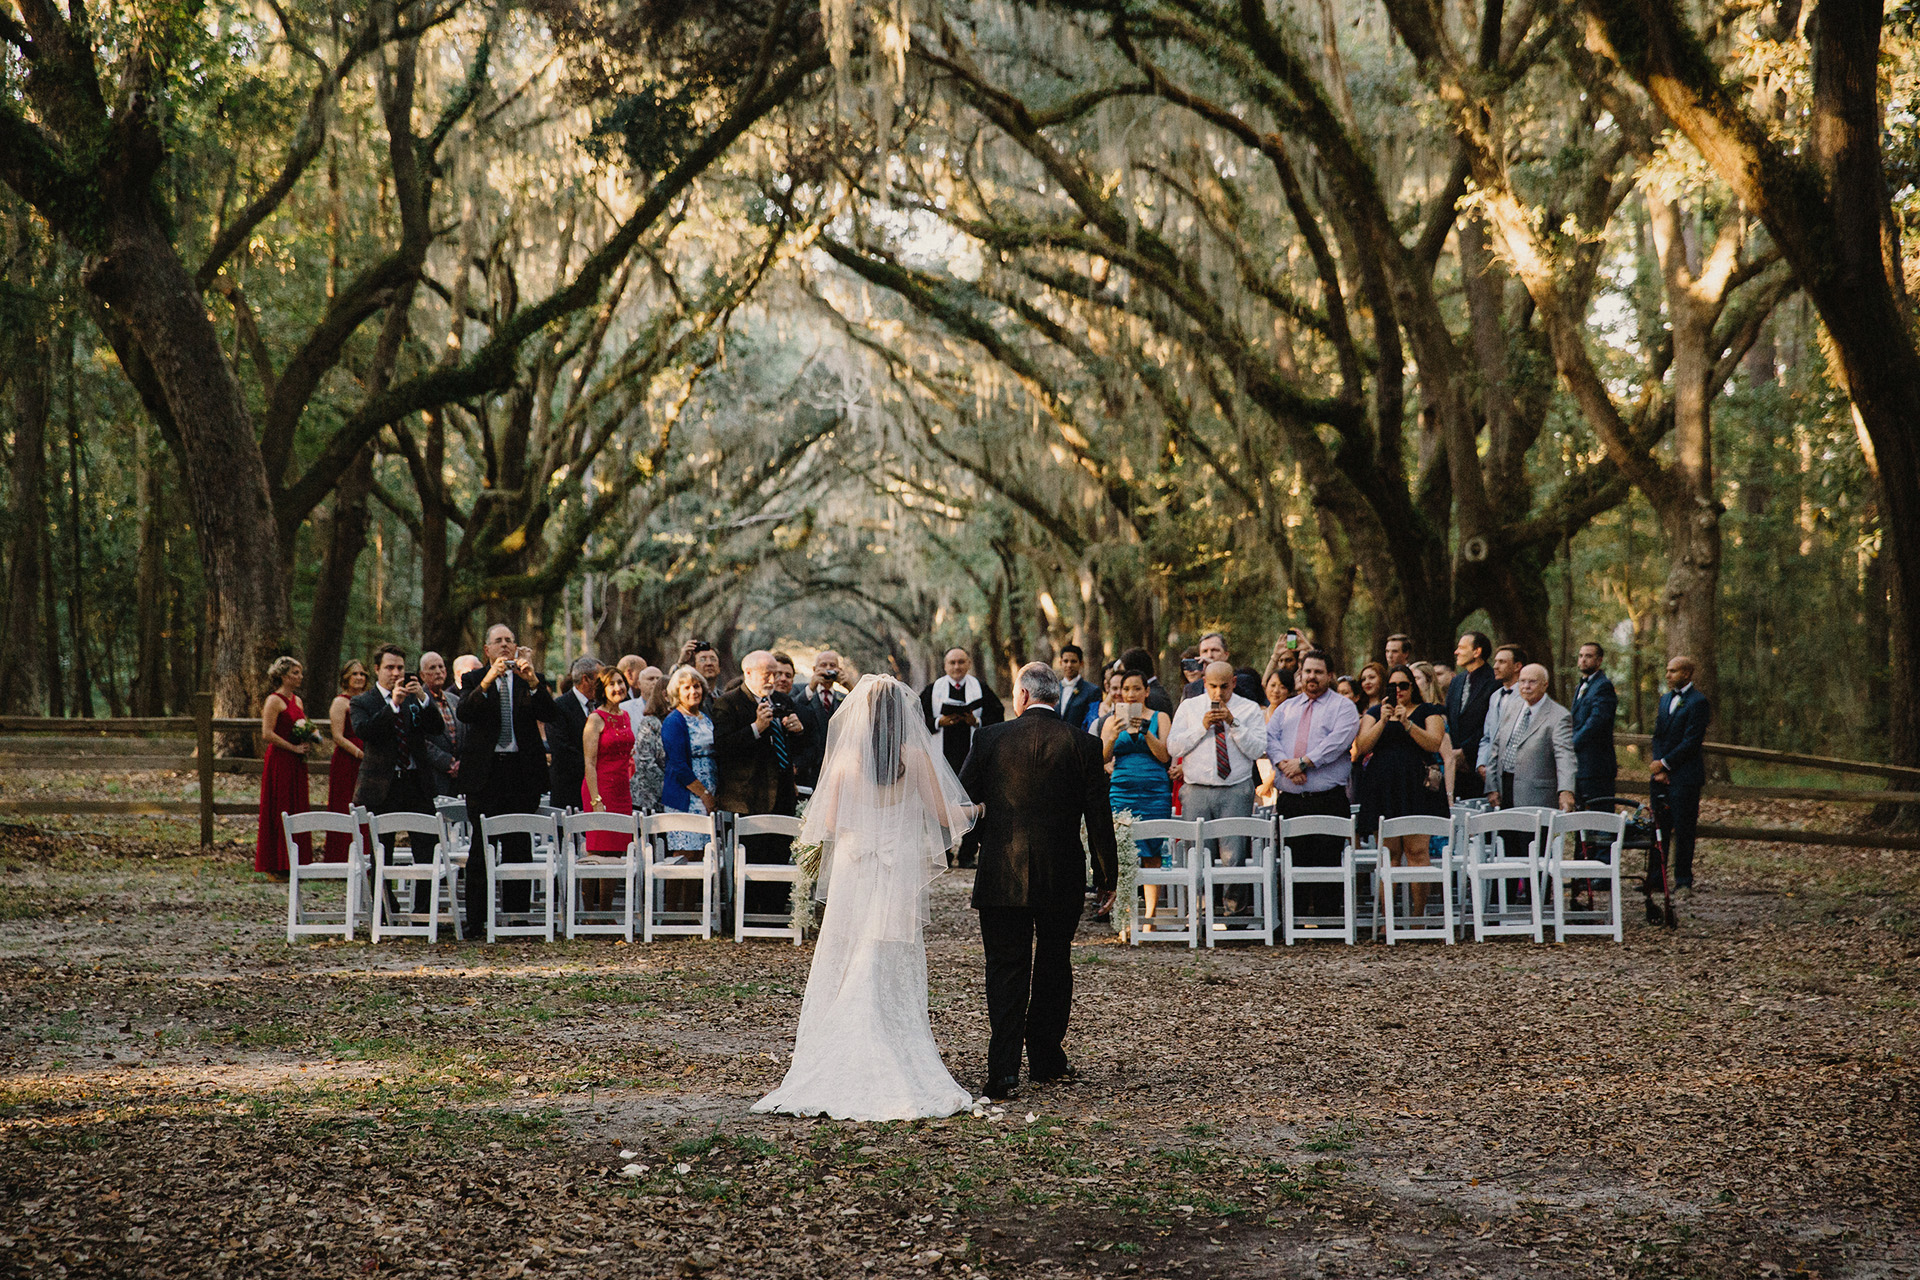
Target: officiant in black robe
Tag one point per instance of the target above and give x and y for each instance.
(956, 705)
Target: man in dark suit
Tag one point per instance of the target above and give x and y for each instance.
(1211, 649)
(756, 739)
(564, 736)
(822, 697)
(1467, 699)
(1594, 706)
(503, 767)
(1679, 765)
(1078, 695)
(442, 763)
(395, 722)
(1038, 778)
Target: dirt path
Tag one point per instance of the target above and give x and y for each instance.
(183, 1093)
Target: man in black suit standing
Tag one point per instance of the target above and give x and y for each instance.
(503, 767)
(824, 694)
(757, 736)
(565, 735)
(1467, 699)
(1679, 765)
(1038, 778)
(395, 723)
(957, 706)
(1078, 695)
(1595, 704)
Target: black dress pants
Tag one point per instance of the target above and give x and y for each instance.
(1029, 988)
(406, 795)
(516, 896)
(1683, 808)
(1316, 851)
(767, 897)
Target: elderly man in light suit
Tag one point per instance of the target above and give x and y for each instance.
(1533, 751)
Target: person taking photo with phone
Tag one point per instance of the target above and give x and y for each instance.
(1217, 738)
(1133, 740)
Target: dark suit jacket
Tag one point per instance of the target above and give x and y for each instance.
(1246, 683)
(1085, 694)
(481, 766)
(1158, 698)
(806, 766)
(1594, 706)
(378, 727)
(1677, 736)
(567, 750)
(751, 779)
(1038, 776)
(1467, 699)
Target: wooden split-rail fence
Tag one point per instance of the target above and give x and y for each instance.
(185, 744)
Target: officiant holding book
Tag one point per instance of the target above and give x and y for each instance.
(957, 705)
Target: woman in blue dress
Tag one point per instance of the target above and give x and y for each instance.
(692, 773)
(1134, 740)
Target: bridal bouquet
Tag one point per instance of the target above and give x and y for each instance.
(306, 730)
(1127, 853)
(806, 857)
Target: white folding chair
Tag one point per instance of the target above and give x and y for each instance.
(618, 868)
(1389, 878)
(456, 845)
(388, 919)
(763, 924)
(1576, 827)
(659, 868)
(1489, 862)
(1292, 877)
(351, 874)
(1257, 874)
(541, 875)
(1178, 919)
(553, 848)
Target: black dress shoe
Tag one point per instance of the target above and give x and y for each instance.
(1066, 1073)
(1004, 1089)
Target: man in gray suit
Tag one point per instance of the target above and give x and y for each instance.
(1533, 751)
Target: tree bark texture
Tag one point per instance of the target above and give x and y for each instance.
(23, 688)
(150, 587)
(333, 592)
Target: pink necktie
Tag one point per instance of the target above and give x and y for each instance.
(1300, 734)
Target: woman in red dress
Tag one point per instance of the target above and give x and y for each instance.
(607, 787)
(343, 770)
(283, 780)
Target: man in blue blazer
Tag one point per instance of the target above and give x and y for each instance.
(1594, 707)
(1679, 767)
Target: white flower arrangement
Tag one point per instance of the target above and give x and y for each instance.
(1127, 854)
(806, 857)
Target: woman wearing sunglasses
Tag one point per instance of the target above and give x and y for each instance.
(1407, 739)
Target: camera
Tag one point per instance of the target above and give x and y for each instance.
(783, 705)
(1191, 666)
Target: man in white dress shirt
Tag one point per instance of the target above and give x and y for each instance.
(1310, 740)
(1216, 739)
(1507, 661)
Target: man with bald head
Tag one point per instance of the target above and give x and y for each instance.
(1217, 737)
(956, 706)
(757, 737)
(1532, 753)
(1679, 769)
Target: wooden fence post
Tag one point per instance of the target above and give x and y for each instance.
(203, 728)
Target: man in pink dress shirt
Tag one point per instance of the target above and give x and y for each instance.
(1310, 741)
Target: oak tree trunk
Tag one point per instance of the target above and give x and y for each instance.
(333, 592)
(23, 689)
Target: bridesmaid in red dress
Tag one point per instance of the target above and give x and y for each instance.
(283, 780)
(343, 770)
(608, 786)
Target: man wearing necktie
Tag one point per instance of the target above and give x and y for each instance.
(1679, 766)
(394, 721)
(824, 692)
(503, 763)
(1310, 741)
(757, 736)
(1216, 738)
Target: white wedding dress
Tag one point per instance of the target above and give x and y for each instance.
(891, 807)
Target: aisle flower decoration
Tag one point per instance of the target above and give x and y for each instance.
(1127, 854)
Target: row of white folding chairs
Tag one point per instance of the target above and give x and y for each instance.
(1191, 877)
(559, 864)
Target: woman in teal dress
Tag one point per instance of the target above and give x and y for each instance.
(1134, 740)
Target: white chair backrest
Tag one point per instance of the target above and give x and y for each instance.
(418, 824)
(1516, 820)
(1613, 824)
(1316, 824)
(495, 825)
(1255, 828)
(313, 820)
(1181, 835)
(581, 823)
(1415, 824)
(766, 824)
(661, 823)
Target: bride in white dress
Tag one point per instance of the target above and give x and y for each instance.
(886, 810)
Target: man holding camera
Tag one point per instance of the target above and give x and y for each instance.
(758, 735)
(1211, 649)
(1216, 738)
(394, 722)
(824, 694)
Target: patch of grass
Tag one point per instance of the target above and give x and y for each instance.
(1338, 1137)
